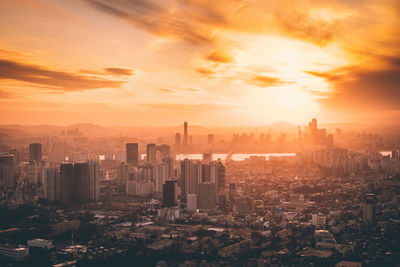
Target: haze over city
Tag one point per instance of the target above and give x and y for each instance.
(197, 133)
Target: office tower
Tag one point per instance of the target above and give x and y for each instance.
(122, 177)
(94, 180)
(177, 139)
(217, 175)
(245, 205)
(191, 175)
(35, 151)
(206, 173)
(170, 163)
(170, 193)
(210, 139)
(165, 151)
(160, 176)
(132, 154)
(151, 155)
(82, 180)
(221, 178)
(206, 196)
(395, 154)
(192, 202)
(67, 185)
(32, 172)
(185, 134)
(207, 158)
(7, 178)
(52, 184)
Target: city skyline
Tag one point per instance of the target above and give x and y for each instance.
(226, 63)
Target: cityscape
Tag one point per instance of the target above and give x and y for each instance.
(137, 204)
(197, 133)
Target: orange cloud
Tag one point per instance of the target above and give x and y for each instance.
(54, 79)
(265, 81)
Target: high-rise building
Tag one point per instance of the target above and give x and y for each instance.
(170, 193)
(151, 155)
(52, 184)
(126, 172)
(192, 202)
(82, 180)
(79, 182)
(206, 196)
(132, 154)
(170, 163)
(191, 175)
(35, 151)
(160, 176)
(7, 178)
(185, 134)
(146, 173)
(177, 139)
(94, 180)
(165, 151)
(67, 185)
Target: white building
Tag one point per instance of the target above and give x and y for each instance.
(40, 243)
(318, 220)
(17, 253)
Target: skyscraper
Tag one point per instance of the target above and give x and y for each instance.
(35, 151)
(185, 134)
(52, 184)
(67, 184)
(177, 139)
(151, 155)
(132, 154)
(6, 170)
(94, 180)
(82, 180)
(206, 196)
(170, 193)
(165, 151)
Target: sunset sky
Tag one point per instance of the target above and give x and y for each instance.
(224, 62)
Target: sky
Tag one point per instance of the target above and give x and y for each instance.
(212, 63)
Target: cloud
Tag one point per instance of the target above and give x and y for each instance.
(119, 71)
(361, 88)
(166, 90)
(193, 90)
(174, 19)
(205, 71)
(265, 81)
(7, 94)
(54, 79)
(219, 57)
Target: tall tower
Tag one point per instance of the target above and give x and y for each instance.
(7, 178)
(35, 151)
(185, 133)
(132, 154)
(151, 153)
(94, 180)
